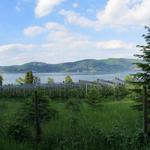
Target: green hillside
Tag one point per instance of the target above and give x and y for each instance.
(83, 66)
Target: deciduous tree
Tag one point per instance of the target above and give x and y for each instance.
(68, 79)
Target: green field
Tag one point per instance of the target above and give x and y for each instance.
(75, 129)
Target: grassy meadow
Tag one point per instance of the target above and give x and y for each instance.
(107, 125)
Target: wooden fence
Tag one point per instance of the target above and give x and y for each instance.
(57, 89)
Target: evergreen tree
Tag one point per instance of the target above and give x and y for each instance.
(34, 112)
(93, 96)
(1, 80)
(143, 78)
(29, 78)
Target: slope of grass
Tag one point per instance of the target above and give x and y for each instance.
(70, 124)
(105, 116)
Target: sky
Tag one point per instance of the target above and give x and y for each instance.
(56, 31)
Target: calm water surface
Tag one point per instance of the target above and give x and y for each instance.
(10, 78)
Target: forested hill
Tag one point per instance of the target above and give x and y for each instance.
(83, 66)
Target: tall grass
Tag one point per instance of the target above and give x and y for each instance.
(107, 126)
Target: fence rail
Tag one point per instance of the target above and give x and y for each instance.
(60, 89)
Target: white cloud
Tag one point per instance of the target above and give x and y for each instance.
(63, 48)
(14, 47)
(17, 53)
(125, 12)
(63, 45)
(76, 18)
(117, 13)
(69, 40)
(33, 30)
(76, 5)
(36, 30)
(45, 7)
(55, 26)
(114, 44)
(18, 7)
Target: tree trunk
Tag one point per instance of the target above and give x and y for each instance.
(37, 121)
(145, 122)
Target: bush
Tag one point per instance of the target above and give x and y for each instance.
(107, 91)
(18, 132)
(93, 138)
(73, 105)
(120, 91)
(93, 96)
(118, 139)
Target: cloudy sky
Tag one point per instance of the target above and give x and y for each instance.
(55, 31)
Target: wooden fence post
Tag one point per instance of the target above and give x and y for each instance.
(86, 89)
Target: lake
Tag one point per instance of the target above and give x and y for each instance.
(10, 78)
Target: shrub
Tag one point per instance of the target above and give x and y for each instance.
(18, 132)
(73, 105)
(120, 91)
(93, 95)
(68, 80)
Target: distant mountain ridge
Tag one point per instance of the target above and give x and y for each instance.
(84, 66)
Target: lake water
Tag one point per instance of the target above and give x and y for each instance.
(10, 78)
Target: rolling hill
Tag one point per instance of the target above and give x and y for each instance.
(84, 66)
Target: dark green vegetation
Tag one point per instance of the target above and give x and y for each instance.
(142, 79)
(90, 65)
(69, 117)
(103, 118)
(1, 80)
(29, 78)
(108, 126)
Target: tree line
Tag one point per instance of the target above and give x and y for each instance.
(30, 78)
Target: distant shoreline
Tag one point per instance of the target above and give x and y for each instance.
(72, 73)
(10, 78)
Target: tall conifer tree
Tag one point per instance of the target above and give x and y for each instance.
(1, 80)
(143, 77)
(29, 77)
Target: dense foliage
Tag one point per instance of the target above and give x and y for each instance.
(29, 78)
(78, 127)
(33, 113)
(1, 80)
(68, 80)
(143, 78)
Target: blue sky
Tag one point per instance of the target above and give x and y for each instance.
(55, 31)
